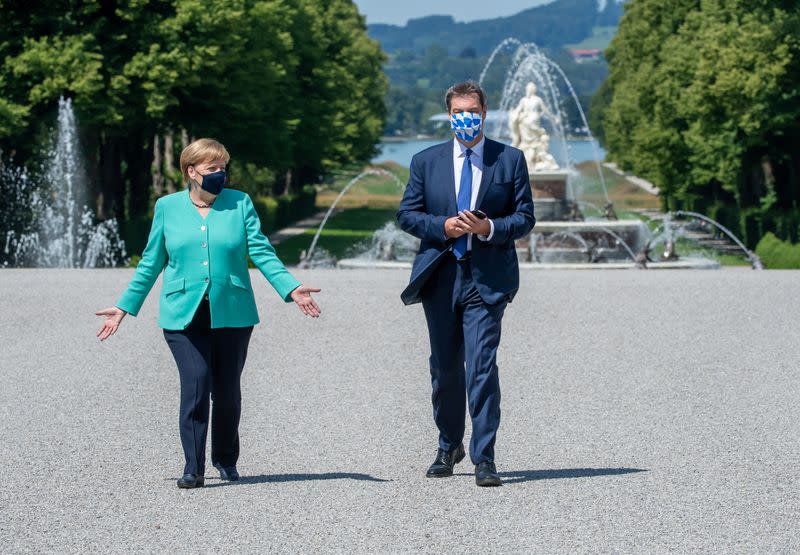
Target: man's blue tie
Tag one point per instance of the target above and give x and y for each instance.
(463, 202)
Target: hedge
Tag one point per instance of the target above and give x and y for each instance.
(777, 254)
(752, 224)
(276, 213)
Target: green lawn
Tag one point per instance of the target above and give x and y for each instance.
(343, 232)
(367, 206)
(372, 190)
(624, 194)
(600, 38)
(686, 247)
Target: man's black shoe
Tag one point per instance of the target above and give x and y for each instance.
(445, 461)
(227, 472)
(189, 481)
(486, 475)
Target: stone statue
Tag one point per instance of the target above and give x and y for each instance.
(527, 132)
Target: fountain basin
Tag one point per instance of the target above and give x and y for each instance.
(681, 264)
(592, 241)
(621, 227)
(551, 209)
(586, 245)
(550, 184)
(550, 193)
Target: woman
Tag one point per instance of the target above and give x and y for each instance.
(201, 238)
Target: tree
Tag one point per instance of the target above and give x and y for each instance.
(82, 51)
(288, 85)
(703, 99)
(339, 107)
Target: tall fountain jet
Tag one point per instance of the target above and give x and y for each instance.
(536, 120)
(532, 87)
(60, 231)
(65, 176)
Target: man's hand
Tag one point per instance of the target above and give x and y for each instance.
(454, 227)
(302, 298)
(472, 224)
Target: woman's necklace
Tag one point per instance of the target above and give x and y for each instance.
(201, 205)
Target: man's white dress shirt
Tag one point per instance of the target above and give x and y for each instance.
(476, 159)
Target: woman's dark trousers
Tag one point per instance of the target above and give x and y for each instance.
(210, 363)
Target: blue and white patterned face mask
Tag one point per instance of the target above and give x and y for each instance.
(466, 125)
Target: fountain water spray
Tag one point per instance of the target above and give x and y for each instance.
(306, 258)
(59, 230)
(585, 248)
(755, 261)
(391, 243)
(620, 241)
(592, 141)
(530, 64)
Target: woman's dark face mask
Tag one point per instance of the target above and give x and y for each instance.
(213, 182)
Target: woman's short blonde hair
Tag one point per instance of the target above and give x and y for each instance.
(202, 150)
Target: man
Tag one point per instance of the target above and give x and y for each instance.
(467, 200)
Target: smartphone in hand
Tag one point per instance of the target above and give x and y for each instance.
(480, 214)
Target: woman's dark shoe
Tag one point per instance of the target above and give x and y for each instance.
(486, 475)
(189, 481)
(227, 472)
(445, 461)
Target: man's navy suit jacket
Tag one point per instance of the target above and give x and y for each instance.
(505, 197)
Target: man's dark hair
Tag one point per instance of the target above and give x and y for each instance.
(466, 88)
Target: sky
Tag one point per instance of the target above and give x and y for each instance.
(400, 11)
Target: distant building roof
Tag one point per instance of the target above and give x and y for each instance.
(586, 51)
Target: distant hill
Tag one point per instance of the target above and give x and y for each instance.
(549, 26)
(427, 55)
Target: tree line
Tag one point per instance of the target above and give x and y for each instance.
(703, 99)
(293, 88)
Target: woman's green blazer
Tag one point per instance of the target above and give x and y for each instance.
(206, 256)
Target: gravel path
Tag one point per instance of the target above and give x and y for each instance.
(642, 412)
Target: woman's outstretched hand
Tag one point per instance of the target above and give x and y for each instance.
(113, 316)
(302, 298)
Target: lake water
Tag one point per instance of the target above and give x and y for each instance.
(401, 152)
